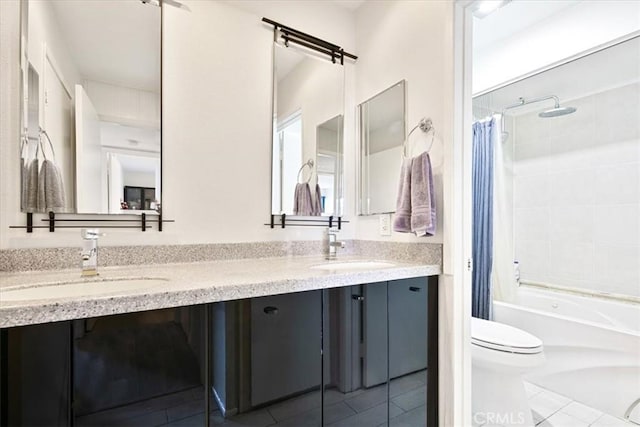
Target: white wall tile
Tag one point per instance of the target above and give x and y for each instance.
(618, 111)
(532, 223)
(618, 269)
(533, 256)
(618, 184)
(577, 194)
(571, 262)
(531, 159)
(617, 225)
(573, 224)
(531, 191)
(615, 153)
(572, 188)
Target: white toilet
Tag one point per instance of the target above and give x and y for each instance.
(500, 355)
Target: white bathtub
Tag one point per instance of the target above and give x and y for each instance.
(592, 346)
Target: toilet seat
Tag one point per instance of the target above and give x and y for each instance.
(505, 338)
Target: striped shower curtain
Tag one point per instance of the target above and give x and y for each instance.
(482, 187)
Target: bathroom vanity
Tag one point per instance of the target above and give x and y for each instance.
(277, 341)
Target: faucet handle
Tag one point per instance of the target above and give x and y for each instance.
(91, 233)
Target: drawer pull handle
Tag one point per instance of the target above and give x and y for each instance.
(415, 289)
(270, 310)
(357, 297)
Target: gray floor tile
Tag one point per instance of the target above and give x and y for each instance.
(333, 413)
(411, 399)
(258, 418)
(368, 399)
(404, 384)
(416, 417)
(370, 417)
(295, 406)
(196, 420)
(185, 410)
(420, 376)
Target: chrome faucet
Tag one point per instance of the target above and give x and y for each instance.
(332, 244)
(90, 251)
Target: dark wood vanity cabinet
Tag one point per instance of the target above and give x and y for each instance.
(361, 355)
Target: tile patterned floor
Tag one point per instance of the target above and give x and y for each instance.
(360, 408)
(553, 410)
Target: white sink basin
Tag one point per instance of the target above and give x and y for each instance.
(354, 265)
(78, 288)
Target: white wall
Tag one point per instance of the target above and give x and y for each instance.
(217, 123)
(577, 194)
(138, 179)
(583, 26)
(205, 137)
(405, 40)
(44, 32)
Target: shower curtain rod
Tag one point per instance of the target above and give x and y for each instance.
(291, 35)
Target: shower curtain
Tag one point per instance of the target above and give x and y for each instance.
(482, 239)
(503, 282)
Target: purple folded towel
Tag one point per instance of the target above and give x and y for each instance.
(402, 219)
(423, 198)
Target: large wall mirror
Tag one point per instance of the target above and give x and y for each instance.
(308, 105)
(91, 140)
(382, 129)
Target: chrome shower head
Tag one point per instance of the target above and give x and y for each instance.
(557, 111)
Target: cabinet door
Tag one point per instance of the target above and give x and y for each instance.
(408, 351)
(355, 357)
(285, 346)
(407, 326)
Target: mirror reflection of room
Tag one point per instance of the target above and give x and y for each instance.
(94, 92)
(307, 140)
(382, 133)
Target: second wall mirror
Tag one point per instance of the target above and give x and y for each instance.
(307, 155)
(382, 130)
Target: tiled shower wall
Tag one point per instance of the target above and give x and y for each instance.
(577, 194)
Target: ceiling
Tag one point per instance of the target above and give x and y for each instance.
(138, 163)
(349, 4)
(115, 42)
(612, 67)
(513, 18)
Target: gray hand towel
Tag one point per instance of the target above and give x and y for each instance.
(317, 202)
(402, 219)
(31, 184)
(423, 198)
(50, 188)
(24, 179)
(302, 204)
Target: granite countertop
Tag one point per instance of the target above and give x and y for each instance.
(187, 284)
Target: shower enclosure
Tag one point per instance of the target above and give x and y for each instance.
(567, 211)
